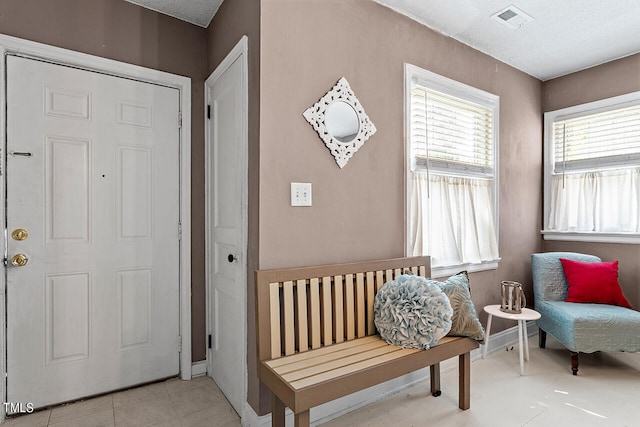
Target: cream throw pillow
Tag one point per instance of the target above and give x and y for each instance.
(465, 322)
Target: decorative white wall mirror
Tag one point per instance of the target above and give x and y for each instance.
(341, 122)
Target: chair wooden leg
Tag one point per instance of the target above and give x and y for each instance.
(435, 379)
(542, 338)
(464, 381)
(277, 412)
(574, 362)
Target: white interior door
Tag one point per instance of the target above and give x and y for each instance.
(226, 223)
(93, 178)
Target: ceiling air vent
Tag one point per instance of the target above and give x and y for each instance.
(512, 17)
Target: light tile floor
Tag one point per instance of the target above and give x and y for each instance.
(606, 392)
(171, 403)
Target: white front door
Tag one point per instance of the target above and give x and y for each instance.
(226, 225)
(93, 178)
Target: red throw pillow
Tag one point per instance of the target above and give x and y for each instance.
(595, 282)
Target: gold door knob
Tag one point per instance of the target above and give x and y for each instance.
(20, 234)
(19, 260)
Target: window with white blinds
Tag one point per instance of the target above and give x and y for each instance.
(450, 134)
(451, 178)
(602, 140)
(592, 171)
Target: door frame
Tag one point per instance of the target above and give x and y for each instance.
(13, 45)
(239, 51)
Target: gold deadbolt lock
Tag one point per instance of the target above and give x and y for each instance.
(19, 260)
(20, 234)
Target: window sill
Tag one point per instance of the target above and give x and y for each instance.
(450, 270)
(573, 236)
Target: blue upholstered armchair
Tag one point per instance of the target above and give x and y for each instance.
(584, 328)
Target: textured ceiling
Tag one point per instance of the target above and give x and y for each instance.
(197, 12)
(565, 35)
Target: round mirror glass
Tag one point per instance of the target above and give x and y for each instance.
(342, 121)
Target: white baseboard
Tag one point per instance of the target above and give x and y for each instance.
(630, 359)
(199, 369)
(335, 408)
(509, 336)
(249, 418)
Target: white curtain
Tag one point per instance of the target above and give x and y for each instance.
(452, 219)
(603, 201)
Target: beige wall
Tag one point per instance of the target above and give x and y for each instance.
(124, 32)
(601, 82)
(234, 19)
(358, 212)
(604, 81)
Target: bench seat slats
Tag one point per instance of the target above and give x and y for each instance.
(275, 363)
(375, 360)
(327, 358)
(337, 364)
(334, 352)
(315, 364)
(312, 391)
(349, 360)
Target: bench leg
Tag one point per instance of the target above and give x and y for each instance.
(277, 412)
(464, 381)
(574, 362)
(434, 378)
(301, 419)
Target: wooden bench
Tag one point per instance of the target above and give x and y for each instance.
(317, 340)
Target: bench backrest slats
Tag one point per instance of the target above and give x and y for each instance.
(379, 280)
(274, 319)
(289, 324)
(338, 311)
(371, 293)
(349, 311)
(303, 329)
(327, 311)
(307, 308)
(360, 302)
(314, 308)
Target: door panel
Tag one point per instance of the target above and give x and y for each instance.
(67, 193)
(133, 192)
(96, 308)
(134, 308)
(67, 321)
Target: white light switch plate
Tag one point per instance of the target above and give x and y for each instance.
(300, 194)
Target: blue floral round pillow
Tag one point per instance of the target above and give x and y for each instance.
(412, 312)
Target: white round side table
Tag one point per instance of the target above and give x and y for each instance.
(521, 318)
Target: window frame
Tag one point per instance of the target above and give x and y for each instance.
(550, 117)
(468, 93)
